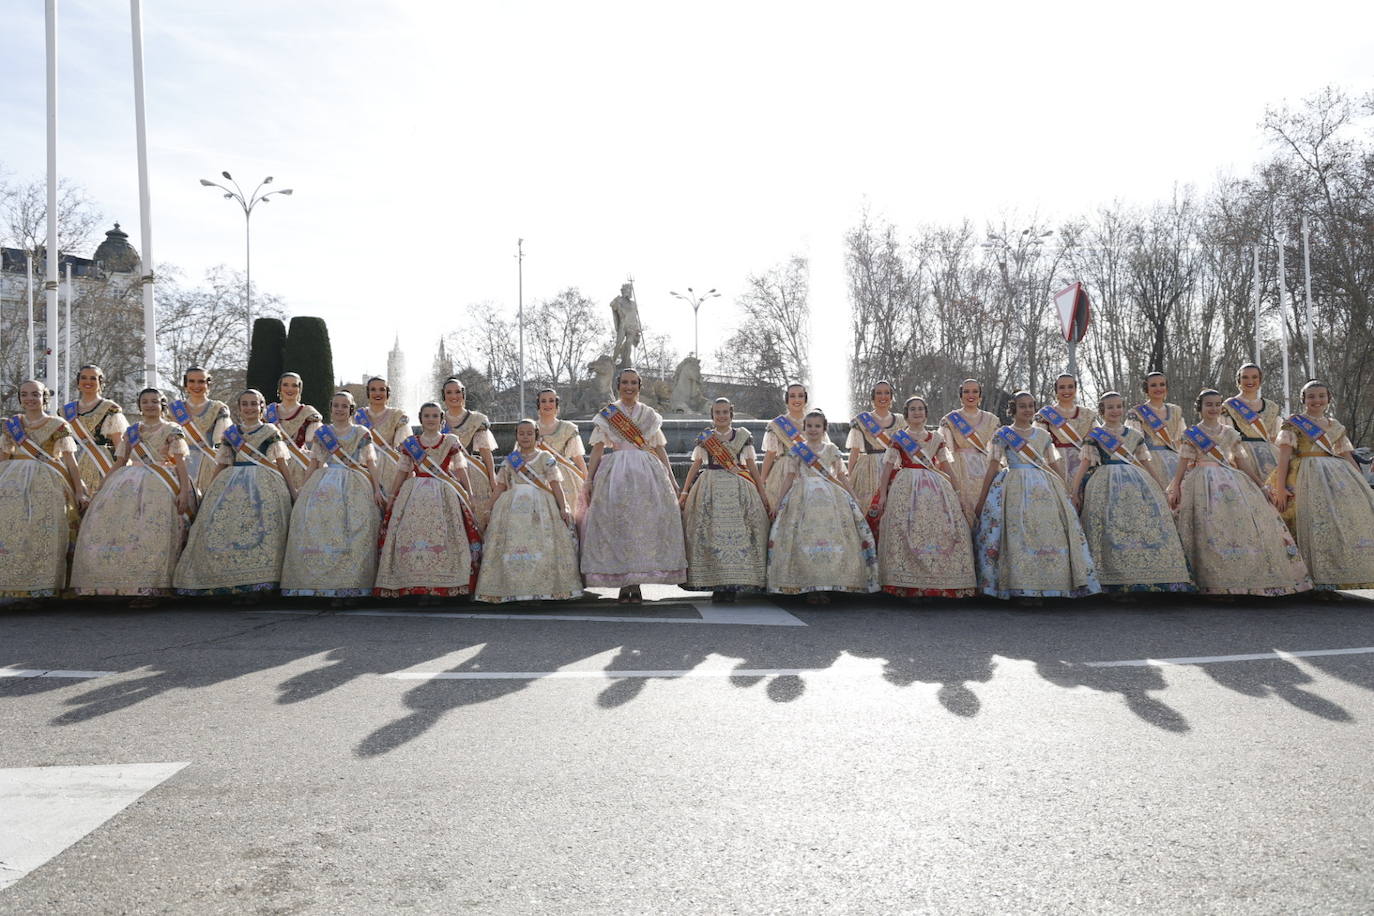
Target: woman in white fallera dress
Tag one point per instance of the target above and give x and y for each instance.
(331, 551)
(1256, 418)
(1029, 543)
(40, 493)
(530, 550)
(866, 451)
(387, 426)
(239, 536)
(473, 430)
(563, 440)
(204, 421)
(968, 433)
(1161, 423)
(924, 547)
(776, 442)
(132, 534)
(724, 513)
(632, 533)
(821, 541)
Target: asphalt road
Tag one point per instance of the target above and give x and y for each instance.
(873, 757)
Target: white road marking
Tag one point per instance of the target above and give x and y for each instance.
(48, 672)
(602, 667)
(759, 615)
(43, 810)
(609, 673)
(1210, 659)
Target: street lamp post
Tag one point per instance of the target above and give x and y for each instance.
(247, 202)
(695, 300)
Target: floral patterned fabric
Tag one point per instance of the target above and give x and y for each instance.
(1127, 522)
(429, 548)
(969, 464)
(1260, 447)
(868, 465)
(211, 419)
(37, 515)
(298, 424)
(820, 540)
(102, 420)
(774, 441)
(1331, 511)
(1233, 536)
(1164, 460)
(393, 426)
(239, 535)
(1081, 420)
(529, 554)
(632, 532)
(924, 547)
(725, 523)
(473, 430)
(132, 534)
(331, 549)
(1029, 543)
(566, 440)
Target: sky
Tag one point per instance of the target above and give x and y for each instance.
(687, 145)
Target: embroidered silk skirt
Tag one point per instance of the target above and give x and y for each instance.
(632, 532)
(529, 553)
(820, 542)
(924, 547)
(1131, 532)
(130, 538)
(1234, 538)
(332, 546)
(37, 524)
(1029, 543)
(239, 535)
(726, 532)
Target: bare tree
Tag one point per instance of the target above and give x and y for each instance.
(772, 344)
(563, 334)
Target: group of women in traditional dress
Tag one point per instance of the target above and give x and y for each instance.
(1062, 501)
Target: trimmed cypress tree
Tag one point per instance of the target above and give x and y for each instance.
(308, 353)
(266, 356)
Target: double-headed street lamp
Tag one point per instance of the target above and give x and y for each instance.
(247, 202)
(695, 300)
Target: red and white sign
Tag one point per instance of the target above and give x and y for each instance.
(1073, 307)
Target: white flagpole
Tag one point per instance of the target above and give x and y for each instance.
(50, 284)
(1256, 284)
(28, 268)
(1283, 318)
(145, 219)
(1307, 284)
(67, 341)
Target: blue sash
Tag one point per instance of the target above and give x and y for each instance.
(1249, 416)
(233, 435)
(1205, 444)
(15, 425)
(326, 437)
(1152, 420)
(912, 449)
(1018, 443)
(1060, 423)
(789, 429)
(874, 428)
(1309, 428)
(965, 429)
(809, 457)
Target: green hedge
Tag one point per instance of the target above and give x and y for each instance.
(265, 358)
(308, 353)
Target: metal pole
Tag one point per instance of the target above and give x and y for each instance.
(52, 254)
(248, 271)
(696, 329)
(144, 202)
(1256, 285)
(1307, 284)
(1283, 318)
(1073, 358)
(28, 266)
(67, 340)
(520, 294)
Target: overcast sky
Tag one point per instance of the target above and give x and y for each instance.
(687, 147)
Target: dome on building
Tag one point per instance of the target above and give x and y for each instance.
(115, 254)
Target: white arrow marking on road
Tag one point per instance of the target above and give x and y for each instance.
(45, 672)
(43, 810)
(1210, 659)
